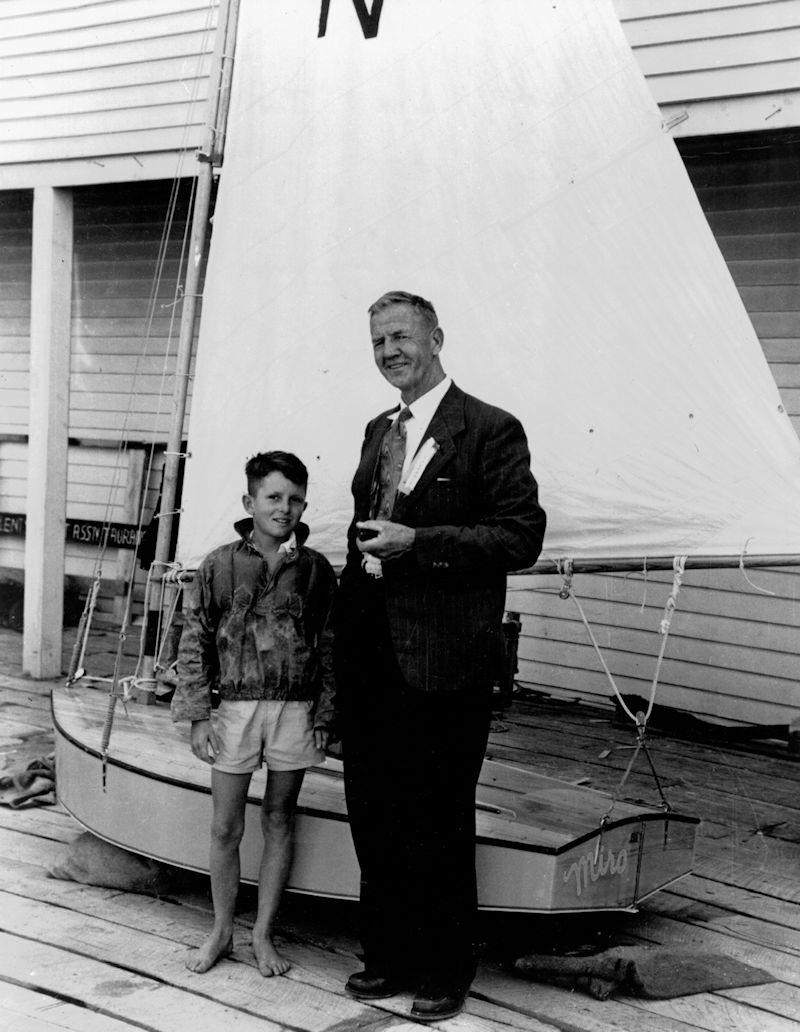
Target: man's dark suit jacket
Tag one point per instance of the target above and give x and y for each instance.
(476, 514)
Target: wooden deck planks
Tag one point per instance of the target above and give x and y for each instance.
(151, 937)
(716, 1013)
(34, 1011)
(775, 998)
(744, 901)
(737, 900)
(122, 995)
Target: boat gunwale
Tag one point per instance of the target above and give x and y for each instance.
(645, 817)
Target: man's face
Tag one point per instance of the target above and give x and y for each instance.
(406, 350)
(276, 507)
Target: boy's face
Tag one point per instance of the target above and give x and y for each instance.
(276, 508)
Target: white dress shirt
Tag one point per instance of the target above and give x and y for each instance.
(422, 411)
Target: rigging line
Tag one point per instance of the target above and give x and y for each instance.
(154, 291)
(113, 695)
(145, 616)
(154, 288)
(164, 242)
(177, 296)
(168, 354)
(168, 357)
(640, 719)
(564, 567)
(168, 624)
(644, 592)
(167, 227)
(679, 566)
(125, 431)
(75, 670)
(151, 451)
(166, 234)
(122, 446)
(764, 591)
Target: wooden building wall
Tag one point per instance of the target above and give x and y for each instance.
(125, 322)
(718, 66)
(83, 81)
(733, 652)
(126, 309)
(16, 225)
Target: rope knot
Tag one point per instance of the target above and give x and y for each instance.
(565, 569)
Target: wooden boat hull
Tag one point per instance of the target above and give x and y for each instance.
(539, 847)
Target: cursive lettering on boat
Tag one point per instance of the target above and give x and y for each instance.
(590, 867)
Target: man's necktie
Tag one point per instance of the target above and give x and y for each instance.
(390, 466)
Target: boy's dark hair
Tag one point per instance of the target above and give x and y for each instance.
(261, 465)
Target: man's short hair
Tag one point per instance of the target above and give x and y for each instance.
(401, 297)
(261, 465)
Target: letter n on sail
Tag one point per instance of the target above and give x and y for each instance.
(370, 20)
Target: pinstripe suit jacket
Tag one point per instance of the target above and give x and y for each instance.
(476, 514)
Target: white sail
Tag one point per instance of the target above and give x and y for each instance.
(507, 161)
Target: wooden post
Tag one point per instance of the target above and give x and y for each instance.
(51, 297)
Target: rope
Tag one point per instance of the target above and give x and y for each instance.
(764, 591)
(641, 746)
(679, 568)
(173, 609)
(106, 738)
(567, 591)
(145, 619)
(565, 569)
(75, 671)
(644, 593)
(153, 306)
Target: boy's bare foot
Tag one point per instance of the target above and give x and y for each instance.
(269, 961)
(212, 950)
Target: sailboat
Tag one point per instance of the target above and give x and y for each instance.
(508, 162)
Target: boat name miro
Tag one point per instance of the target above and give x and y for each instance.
(591, 867)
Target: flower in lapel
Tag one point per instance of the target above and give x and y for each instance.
(426, 452)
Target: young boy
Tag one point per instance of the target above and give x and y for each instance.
(258, 628)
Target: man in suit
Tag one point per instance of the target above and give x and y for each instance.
(445, 506)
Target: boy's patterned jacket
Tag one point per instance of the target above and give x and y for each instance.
(253, 636)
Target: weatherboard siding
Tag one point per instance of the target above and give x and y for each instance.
(89, 80)
(16, 229)
(126, 309)
(718, 65)
(125, 324)
(102, 484)
(84, 82)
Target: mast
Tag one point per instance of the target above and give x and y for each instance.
(209, 159)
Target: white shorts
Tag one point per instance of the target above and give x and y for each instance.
(252, 732)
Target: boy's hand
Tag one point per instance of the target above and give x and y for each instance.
(205, 744)
(321, 736)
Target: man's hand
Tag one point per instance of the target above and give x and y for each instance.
(321, 736)
(205, 744)
(389, 541)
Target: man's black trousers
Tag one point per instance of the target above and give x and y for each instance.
(412, 760)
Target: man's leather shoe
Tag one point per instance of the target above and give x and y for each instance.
(372, 985)
(438, 1000)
